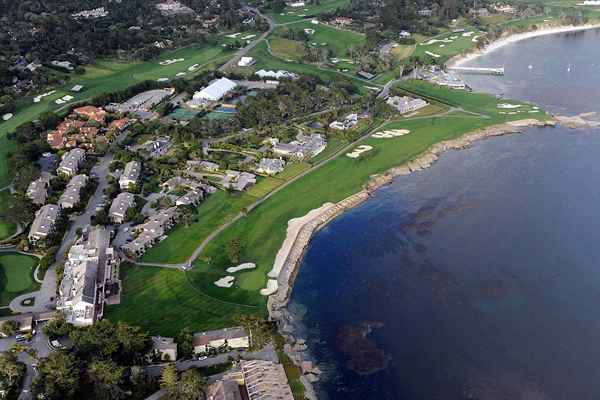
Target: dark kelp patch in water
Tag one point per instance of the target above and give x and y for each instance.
(362, 354)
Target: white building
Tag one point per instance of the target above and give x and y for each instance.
(44, 223)
(130, 175)
(281, 74)
(270, 166)
(405, 104)
(119, 207)
(303, 147)
(236, 338)
(165, 348)
(214, 92)
(237, 180)
(72, 194)
(349, 122)
(71, 162)
(265, 380)
(246, 62)
(90, 271)
(151, 232)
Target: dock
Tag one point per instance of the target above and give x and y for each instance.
(478, 70)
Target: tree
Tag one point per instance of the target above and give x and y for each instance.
(168, 380)
(185, 346)
(234, 248)
(8, 328)
(106, 377)
(11, 373)
(190, 385)
(135, 343)
(96, 341)
(57, 327)
(58, 377)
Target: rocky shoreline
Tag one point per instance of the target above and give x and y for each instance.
(295, 347)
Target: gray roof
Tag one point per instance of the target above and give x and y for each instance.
(37, 191)
(44, 222)
(204, 338)
(71, 195)
(132, 171)
(271, 165)
(71, 160)
(123, 202)
(191, 197)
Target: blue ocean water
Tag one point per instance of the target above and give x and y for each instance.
(480, 277)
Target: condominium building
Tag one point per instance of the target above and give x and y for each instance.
(119, 207)
(44, 223)
(130, 175)
(72, 194)
(71, 162)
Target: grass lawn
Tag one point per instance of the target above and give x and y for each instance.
(162, 302)
(287, 49)
(6, 228)
(291, 14)
(16, 276)
(264, 185)
(107, 76)
(456, 43)
(183, 240)
(293, 169)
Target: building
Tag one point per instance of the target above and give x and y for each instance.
(225, 389)
(365, 75)
(342, 21)
(265, 380)
(239, 181)
(203, 165)
(91, 275)
(130, 175)
(508, 9)
(304, 146)
(236, 338)
(270, 166)
(405, 104)
(37, 191)
(178, 182)
(151, 231)
(214, 92)
(91, 113)
(71, 161)
(72, 194)
(119, 125)
(404, 35)
(119, 207)
(246, 62)
(425, 12)
(191, 198)
(165, 348)
(63, 64)
(157, 147)
(44, 224)
(281, 74)
(349, 122)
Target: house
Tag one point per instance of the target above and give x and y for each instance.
(342, 21)
(236, 338)
(130, 175)
(90, 273)
(239, 181)
(203, 165)
(280, 74)
(213, 92)
(508, 9)
(91, 113)
(349, 122)
(246, 62)
(71, 161)
(72, 194)
(48, 162)
(151, 231)
(119, 207)
(44, 223)
(404, 35)
(225, 389)
(191, 198)
(480, 12)
(76, 88)
(270, 166)
(178, 181)
(164, 347)
(63, 64)
(157, 147)
(119, 125)
(303, 147)
(366, 75)
(425, 12)
(37, 191)
(265, 380)
(405, 104)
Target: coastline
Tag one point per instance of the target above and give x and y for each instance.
(508, 38)
(294, 247)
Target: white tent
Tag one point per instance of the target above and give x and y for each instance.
(216, 90)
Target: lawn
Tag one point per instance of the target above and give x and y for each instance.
(163, 302)
(448, 45)
(293, 169)
(6, 228)
(264, 185)
(287, 49)
(16, 276)
(107, 76)
(291, 14)
(183, 240)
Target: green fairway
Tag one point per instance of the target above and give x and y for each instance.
(6, 228)
(287, 49)
(183, 240)
(264, 185)
(108, 76)
(162, 302)
(291, 14)
(16, 276)
(448, 45)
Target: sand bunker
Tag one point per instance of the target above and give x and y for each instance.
(248, 37)
(468, 34)
(271, 288)
(241, 267)
(390, 134)
(225, 282)
(193, 67)
(7, 116)
(359, 150)
(171, 61)
(233, 35)
(39, 97)
(432, 54)
(180, 74)
(509, 106)
(64, 99)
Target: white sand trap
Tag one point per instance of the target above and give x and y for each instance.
(476, 38)
(225, 282)
(7, 116)
(314, 22)
(309, 31)
(59, 101)
(162, 80)
(248, 37)
(453, 37)
(193, 67)
(171, 61)
(181, 74)
(442, 45)
(359, 150)
(468, 34)
(271, 288)
(68, 98)
(293, 229)
(241, 267)
(534, 111)
(509, 106)
(390, 134)
(39, 97)
(432, 54)
(233, 35)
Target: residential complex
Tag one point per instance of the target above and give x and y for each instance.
(130, 175)
(72, 194)
(151, 231)
(44, 223)
(304, 146)
(119, 207)
(270, 166)
(405, 104)
(91, 275)
(237, 180)
(71, 162)
(37, 191)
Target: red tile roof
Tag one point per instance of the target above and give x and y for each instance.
(119, 124)
(56, 140)
(92, 113)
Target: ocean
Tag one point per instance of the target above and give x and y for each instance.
(478, 278)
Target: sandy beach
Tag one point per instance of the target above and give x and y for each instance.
(517, 37)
